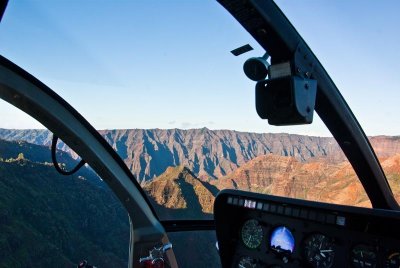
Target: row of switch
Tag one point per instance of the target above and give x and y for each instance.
(287, 210)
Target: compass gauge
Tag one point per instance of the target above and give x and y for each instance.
(252, 234)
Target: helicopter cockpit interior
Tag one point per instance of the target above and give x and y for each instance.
(249, 228)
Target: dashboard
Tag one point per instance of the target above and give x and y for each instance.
(257, 230)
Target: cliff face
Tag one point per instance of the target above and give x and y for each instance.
(385, 146)
(391, 166)
(178, 194)
(207, 153)
(318, 180)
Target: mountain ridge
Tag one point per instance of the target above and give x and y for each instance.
(179, 194)
(209, 154)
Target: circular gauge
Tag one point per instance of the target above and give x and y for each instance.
(318, 250)
(393, 260)
(247, 262)
(282, 240)
(252, 234)
(363, 256)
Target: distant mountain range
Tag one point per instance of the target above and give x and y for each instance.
(209, 154)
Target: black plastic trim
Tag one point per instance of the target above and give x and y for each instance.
(223, 194)
(3, 7)
(188, 225)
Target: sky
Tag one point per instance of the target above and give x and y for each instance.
(167, 64)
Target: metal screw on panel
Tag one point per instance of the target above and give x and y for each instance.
(262, 32)
(285, 259)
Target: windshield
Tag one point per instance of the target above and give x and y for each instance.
(158, 81)
(370, 85)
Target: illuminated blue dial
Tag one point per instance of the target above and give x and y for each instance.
(282, 240)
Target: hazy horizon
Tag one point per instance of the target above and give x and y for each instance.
(174, 69)
(188, 129)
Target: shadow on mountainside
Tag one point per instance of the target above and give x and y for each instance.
(165, 213)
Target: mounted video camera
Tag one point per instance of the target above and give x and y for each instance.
(284, 96)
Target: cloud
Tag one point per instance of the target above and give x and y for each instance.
(171, 122)
(186, 125)
(196, 124)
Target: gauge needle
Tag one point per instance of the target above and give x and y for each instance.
(248, 241)
(322, 251)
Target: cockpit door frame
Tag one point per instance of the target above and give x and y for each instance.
(27, 93)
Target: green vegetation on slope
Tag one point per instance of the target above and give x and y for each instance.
(49, 220)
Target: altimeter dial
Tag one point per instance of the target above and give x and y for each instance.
(319, 251)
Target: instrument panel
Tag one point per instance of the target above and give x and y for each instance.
(255, 230)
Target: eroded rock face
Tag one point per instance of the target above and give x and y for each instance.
(209, 154)
(385, 146)
(319, 180)
(178, 194)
